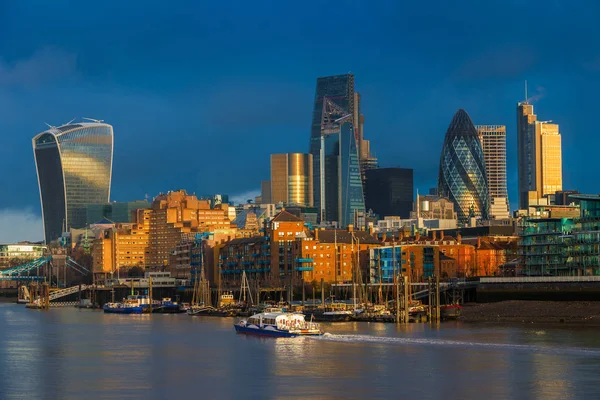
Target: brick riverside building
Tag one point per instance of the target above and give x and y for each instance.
(331, 255)
(149, 242)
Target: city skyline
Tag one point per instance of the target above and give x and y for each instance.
(408, 95)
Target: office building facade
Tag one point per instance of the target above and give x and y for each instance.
(493, 142)
(292, 179)
(539, 157)
(337, 133)
(74, 168)
(462, 174)
(389, 191)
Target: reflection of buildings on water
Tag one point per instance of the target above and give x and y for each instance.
(550, 377)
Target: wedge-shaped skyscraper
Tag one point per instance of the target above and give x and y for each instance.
(74, 168)
(334, 145)
(462, 175)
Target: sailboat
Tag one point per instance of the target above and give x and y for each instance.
(201, 304)
(245, 300)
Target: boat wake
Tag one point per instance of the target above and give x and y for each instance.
(400, 341)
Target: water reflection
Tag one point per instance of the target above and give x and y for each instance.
(72, 354)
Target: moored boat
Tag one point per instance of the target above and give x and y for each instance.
(132, 305)
(450, 311)
(332, 312)
(277, 323)
(167, 306)
(204, 310)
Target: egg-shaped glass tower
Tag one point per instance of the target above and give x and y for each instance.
(462, 176)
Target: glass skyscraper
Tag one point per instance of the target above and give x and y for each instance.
(338, 185)
(340, 90)
(462, 175)
(292, 179)
(389, 191)
(74, 168)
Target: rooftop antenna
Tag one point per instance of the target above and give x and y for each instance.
(98, 121)
(69, 123)
(49, 126)
(526, 91)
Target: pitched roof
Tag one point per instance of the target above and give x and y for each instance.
(285, 216)
(247, 241)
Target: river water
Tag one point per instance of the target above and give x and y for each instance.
(85, 354)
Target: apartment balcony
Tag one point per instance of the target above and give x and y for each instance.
(304, 260)
(302, 269)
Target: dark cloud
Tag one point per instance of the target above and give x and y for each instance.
(18, 225)
(507, 62)
(44, 65)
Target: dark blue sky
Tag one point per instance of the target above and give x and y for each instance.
(201, 93)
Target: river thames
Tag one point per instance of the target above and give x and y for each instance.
(74, 354)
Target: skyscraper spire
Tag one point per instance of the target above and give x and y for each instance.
(526, 91)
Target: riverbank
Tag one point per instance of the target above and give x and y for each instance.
(524, 311)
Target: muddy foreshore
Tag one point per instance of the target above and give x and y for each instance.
(524, 311)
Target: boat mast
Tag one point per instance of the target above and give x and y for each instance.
(334, 260)
(353, 275)
(245, 288)
(380, 300)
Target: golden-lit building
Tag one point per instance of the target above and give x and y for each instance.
(267, 259)
(551, 169)
(149, 241)
(335, 256)
(539, 157)
(292, 179)
(420, 257)
(493, 143)
(290, 254)
(123, 246)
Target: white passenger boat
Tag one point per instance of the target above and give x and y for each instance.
(278, 323)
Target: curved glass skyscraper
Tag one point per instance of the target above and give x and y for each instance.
(74, 168)
(462, 176)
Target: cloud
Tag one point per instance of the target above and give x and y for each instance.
(538, 94)
(45, 65)
(20, 225)
(505, 62)
(242, 198)
(240, 104)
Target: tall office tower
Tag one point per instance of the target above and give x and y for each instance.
(367, 159)
(462, 175)
(389, 191)
(551, 169)
(539, 157)
(493, 141)
(265, 192)
(338, 89)
(74, 168)
(335, 96)
(292, 179)
(341, 198)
